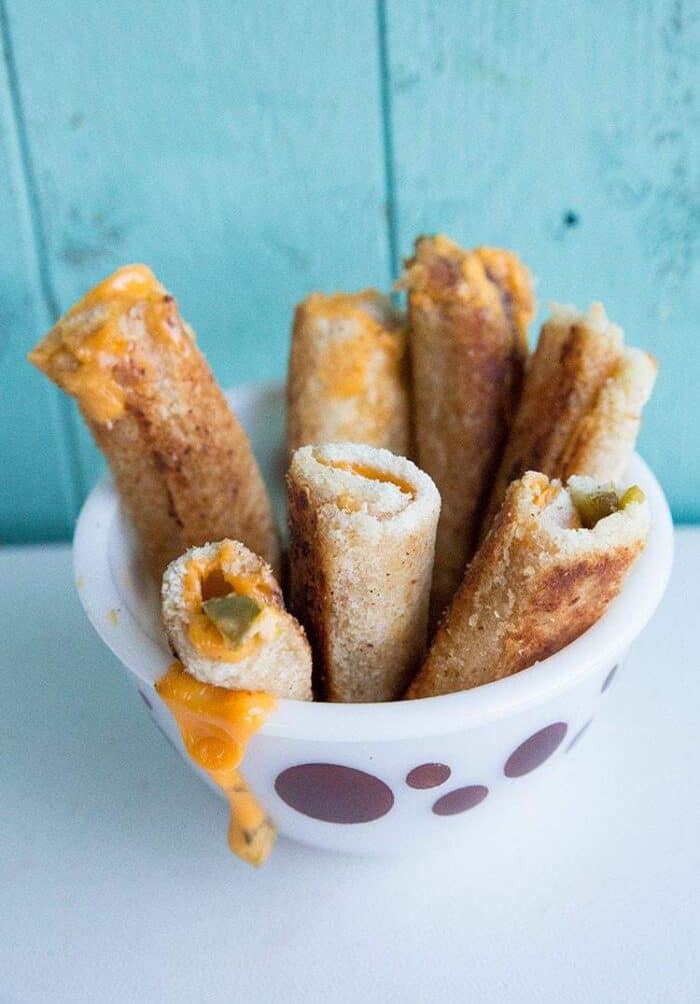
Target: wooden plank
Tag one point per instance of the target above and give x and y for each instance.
(235, 147)
(37, 489)
(570, 133)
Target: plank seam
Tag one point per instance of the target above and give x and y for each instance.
(388, 139)
(76, 488)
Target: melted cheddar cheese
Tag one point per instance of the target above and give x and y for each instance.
(81, 352)
(206, 578)
(369, 473)
(347, 362)
(508, 272)
(544, 492)
(340, 304)
(486, 278)
(216, 726)
(343, 369)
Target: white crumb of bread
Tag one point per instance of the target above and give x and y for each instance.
(560, 522)
(374, 499)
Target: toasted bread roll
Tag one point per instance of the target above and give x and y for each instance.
(225, 620)
(581, 405)
(181, 462)
(468, 313)
(548, 569)
(348, 379)
(362, 538)
(605, 438)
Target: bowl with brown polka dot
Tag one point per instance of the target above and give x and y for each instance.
(383, 778)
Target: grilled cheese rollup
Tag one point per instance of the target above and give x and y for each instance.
(182, 464)
(348, 378)
(468, 313)
(225, 619)
(362, 536)
(581, 406)
(238, 650)
(551, 564)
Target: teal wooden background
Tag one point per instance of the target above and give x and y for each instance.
(253, 151)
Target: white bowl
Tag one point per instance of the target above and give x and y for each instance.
(379, 777)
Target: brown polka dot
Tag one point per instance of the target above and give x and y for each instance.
(333, 793)
(428, 775)
(460, 800)
(609, 679)
(578, 735)
(535, 750)
(145, 700)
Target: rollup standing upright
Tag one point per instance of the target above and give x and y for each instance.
(468, 312)
(362, 537)
(181, 462)
(239, 649)
(551, 564)
(581, 405)
(348, 374)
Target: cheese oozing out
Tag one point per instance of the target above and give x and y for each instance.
(216, 726)
(206, 579)
(216, 723)
(92, 339)
(346, 364)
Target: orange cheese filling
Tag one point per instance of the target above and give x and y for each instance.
(338, 304)
(435, 273)
(442, 272)
(511, 275)
(204, 579)
(370, 473)
(344, 367)
(546, 493)
(81, 352)
(216, 726)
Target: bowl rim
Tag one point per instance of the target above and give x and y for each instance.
(601, 646)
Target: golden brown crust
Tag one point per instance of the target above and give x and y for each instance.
(468, 336)
(307, 582)
(604, 439)
(535, 584)
(348, 379)
(581, 405)
(181, 462)
(361, 558)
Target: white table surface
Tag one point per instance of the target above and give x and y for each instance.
(117, 884)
